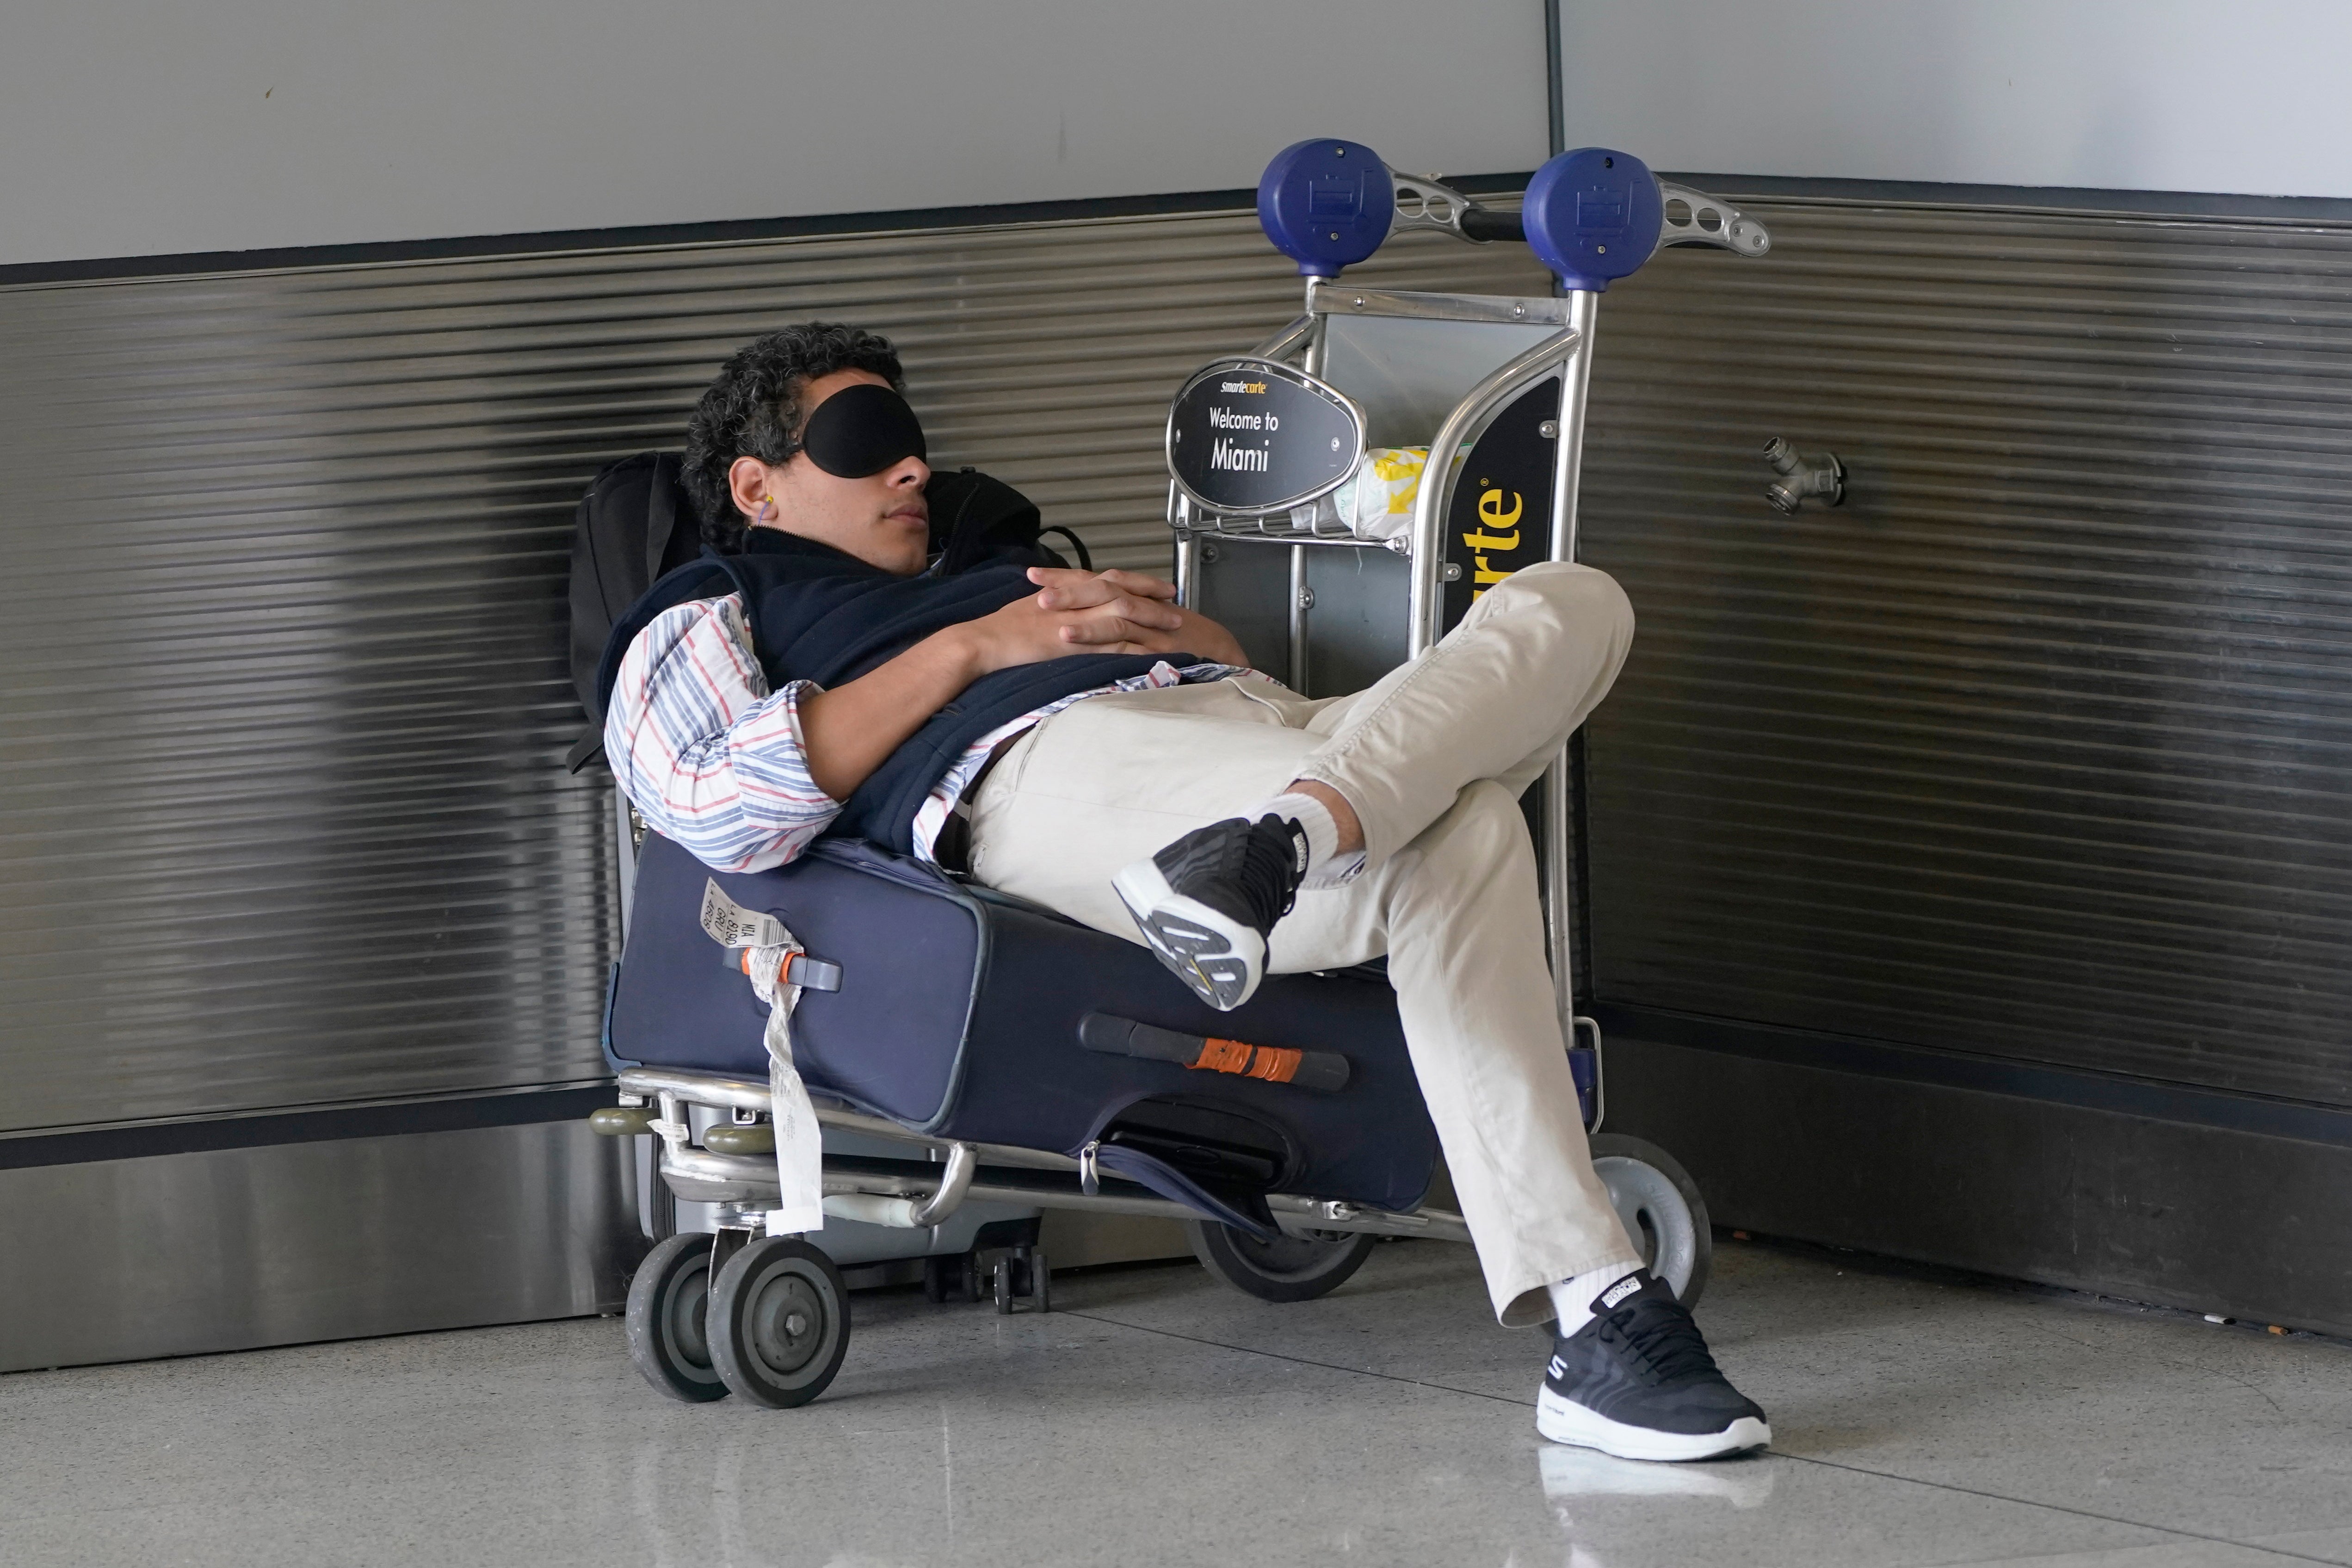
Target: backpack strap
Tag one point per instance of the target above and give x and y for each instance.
(587, 748)
(661, 514)
(1086, 556)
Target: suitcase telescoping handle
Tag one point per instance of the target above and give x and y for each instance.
(801, 970)
(1126, 1037)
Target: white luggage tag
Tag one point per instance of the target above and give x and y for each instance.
(800, 1148)
(731, 925)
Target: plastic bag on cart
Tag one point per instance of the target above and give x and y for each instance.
(1376, 502)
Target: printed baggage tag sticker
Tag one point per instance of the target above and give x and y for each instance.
(730, 924)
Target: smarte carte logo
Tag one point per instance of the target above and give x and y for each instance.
(1479, 540)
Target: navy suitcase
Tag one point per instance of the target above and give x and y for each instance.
(959, 1016)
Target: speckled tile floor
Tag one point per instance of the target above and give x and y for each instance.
(1156, 1417)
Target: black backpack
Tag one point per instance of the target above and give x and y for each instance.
(636, 523)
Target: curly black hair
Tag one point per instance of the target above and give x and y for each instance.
(753, 410)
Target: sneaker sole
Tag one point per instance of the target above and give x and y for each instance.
(1565, 1421)
(1221, 959)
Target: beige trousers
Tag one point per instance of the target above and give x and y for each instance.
(1433, 759)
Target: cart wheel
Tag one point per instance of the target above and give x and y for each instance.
(779, 1321)
(666, 1301)
(1662, 1210)
(1287, 1269)
(935, 1279)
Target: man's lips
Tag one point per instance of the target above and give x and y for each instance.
(910, 516)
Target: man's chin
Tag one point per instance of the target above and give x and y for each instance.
(910, 551)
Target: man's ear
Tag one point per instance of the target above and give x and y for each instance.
(747, 481)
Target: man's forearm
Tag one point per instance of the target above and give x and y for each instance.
(848, 733)
(851, 731)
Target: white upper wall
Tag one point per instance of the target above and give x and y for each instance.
(131, 129)
(2165, 95)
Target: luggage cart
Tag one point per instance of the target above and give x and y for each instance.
(1333, 592)
(1271, 540)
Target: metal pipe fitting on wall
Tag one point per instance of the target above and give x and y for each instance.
(1802, 474)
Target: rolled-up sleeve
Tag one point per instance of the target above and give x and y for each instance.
(713, 761)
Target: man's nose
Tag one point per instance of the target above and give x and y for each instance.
(912, 474)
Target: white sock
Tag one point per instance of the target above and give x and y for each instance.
(1573, 1299)
(1325, 867)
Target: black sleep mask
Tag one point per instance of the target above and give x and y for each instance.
(862, 430)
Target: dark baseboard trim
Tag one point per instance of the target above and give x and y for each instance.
(521, 1108)
(233, 1248)
(1941, 1160)
(475, 247)
(2148, 1098)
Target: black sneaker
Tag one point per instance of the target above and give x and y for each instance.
(1207, 902)
(1637, 1382)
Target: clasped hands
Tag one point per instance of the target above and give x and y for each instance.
(1097, 612)
(850, 730)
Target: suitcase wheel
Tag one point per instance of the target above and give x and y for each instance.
(1022, 1275)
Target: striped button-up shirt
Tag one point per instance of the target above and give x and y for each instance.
(715, 762)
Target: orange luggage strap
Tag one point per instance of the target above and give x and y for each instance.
(1271, 1063)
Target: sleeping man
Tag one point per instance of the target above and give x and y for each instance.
(1080, 740)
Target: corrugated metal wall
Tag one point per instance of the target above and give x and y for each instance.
(2040, 747)
(283, 820)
